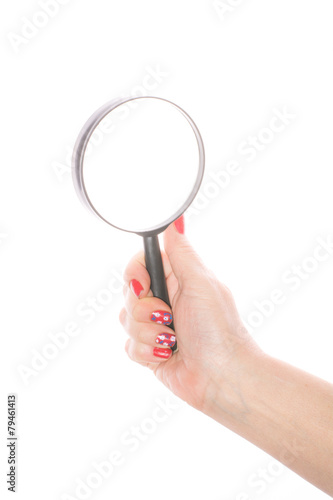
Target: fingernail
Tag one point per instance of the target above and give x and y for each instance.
(167, 339)
(136, 287)
(161, 317)
(162, 353)
(180, 224)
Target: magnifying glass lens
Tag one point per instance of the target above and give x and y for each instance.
(140, 164)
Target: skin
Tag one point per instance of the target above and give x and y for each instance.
(222, 372)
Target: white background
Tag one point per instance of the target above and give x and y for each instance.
(229, 72)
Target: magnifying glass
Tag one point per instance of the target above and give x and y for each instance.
(137, 164)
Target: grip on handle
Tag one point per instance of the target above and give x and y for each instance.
(155, 269)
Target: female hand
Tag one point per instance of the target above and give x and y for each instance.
(212, 342)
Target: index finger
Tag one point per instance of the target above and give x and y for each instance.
(136, 270)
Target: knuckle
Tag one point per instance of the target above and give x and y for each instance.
(140, 335)
(227, 291)
(122, 316)
(134, 351)
(137, 311)
(129, 350)
(140, 352)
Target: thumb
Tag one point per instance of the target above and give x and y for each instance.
(185, 262)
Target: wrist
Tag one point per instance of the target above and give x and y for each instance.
(230, 386)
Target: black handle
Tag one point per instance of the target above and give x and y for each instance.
(155, 269)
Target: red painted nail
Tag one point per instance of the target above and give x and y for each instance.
(136, 287)
(161, 317)
(180, 224)
(167, 339)
(162, 353)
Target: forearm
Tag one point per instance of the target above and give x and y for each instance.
(286, 412)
